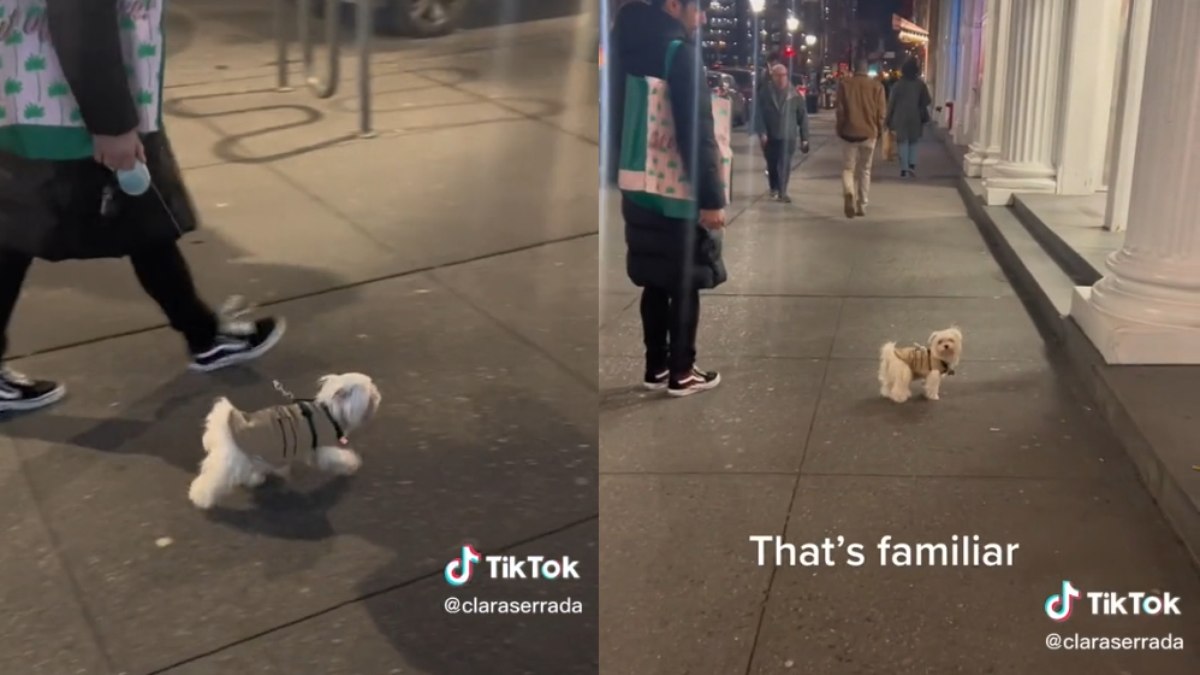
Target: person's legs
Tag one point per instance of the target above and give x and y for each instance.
(686, 378)
(905, 148)
(214, 341)
(786, 156)
(165, 276)
(13, 268)
(17, 392)
(912, 156)
(656, 309)
(866, 157)
(849, 161)
(771, 155)
(685, 320)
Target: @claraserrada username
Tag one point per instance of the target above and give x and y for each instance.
(479, 606)
(960, 551)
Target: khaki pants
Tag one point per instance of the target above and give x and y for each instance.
(856, 169)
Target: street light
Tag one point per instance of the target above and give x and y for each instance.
(793, 24)
(810, 40)
(757, 6)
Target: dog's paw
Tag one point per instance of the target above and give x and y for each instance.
(201, 498)
(255, 479)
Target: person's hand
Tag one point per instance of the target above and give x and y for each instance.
(804, 147)
(119, 153)
(763, 140)
(712, 220)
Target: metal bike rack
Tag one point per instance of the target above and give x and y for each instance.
(326, 87)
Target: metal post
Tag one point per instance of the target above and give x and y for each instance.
(366, 27)
(281, 45)
(333, 43)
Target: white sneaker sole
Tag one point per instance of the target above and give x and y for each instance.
(43, 401)
(242, 357)
(696, 389)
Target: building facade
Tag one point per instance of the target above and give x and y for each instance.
(1076, 98)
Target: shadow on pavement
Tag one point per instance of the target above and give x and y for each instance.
(228, 148)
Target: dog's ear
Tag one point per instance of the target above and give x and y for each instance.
(932, 338)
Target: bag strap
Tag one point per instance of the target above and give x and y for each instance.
(671, 49)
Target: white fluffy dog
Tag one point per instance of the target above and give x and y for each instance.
(241, 448)
(899, 366)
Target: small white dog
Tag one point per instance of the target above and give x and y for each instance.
(899, 366)
(241, 448)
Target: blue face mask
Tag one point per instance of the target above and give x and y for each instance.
(135, 181)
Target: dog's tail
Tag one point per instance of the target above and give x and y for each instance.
(891, 367)
(216, 426)
(218, 448)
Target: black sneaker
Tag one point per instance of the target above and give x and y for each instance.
(238, 341)
(656, 381)
(694, 383)
(774, 195)
(785, 199)
(19, 393)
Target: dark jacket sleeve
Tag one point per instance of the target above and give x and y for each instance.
(802, 118)
(87, 41)
(691, 106)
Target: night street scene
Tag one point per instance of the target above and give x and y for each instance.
(621, 337)
(413, 254)
(1043, 200)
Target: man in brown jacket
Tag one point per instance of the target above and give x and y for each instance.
(861, 110)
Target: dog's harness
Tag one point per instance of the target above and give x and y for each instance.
(942, 367)
(307, 408)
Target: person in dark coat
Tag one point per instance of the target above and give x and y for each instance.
(908, 112)
(669, 258)
(780, 121)
(64, 134)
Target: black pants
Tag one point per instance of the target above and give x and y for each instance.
(779, 154)
(164, 275)
(669, 323)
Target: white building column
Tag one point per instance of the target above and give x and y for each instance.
(985, 151)
(1129, 106)
(1146, 310)
(965, 77)
(1035, 48)
(972, 112)
(1093, 33)
(947, 78)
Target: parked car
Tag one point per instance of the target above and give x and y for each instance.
(723, 84)
(745, 83)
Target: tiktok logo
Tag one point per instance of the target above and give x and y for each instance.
(459, 570)
(1059, 605)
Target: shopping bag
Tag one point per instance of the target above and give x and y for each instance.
(650, 163)
(890, 151)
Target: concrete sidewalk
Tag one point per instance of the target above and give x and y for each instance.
(465, 288)
(797, 443)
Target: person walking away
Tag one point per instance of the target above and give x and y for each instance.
(908, 113)
(782, 119)
(671, 256)
(59, 195)
(860, 111)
